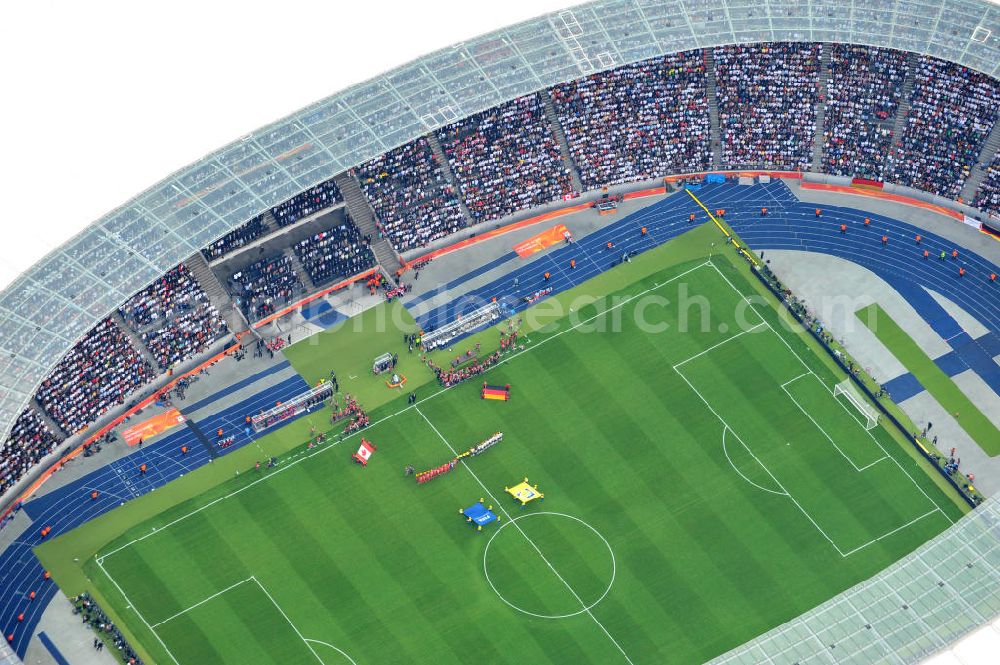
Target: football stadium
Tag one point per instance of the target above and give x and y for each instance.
(638, 332)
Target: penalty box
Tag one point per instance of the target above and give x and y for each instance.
(242, 623)
(817, 452)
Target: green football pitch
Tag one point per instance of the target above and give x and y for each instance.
(702, 485)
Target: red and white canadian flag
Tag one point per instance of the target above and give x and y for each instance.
(365, 451)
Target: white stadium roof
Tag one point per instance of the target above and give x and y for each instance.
(108, 99)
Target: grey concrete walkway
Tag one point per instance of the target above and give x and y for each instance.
(836, 300)
(942, 225)
(73, 639)
(451, 266)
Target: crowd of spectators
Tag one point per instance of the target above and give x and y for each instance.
(174, 317)
(506, 159)
(96, 375)
(767, 97)
(30, 440)
(988, 196)
(186, 335)
(306, 203)
(639, 121)
(952, 111)
(174, 293)
(337, 252)
(261, 287)
(95, 617)
(413, 202)
(863, 96)
(237, 238)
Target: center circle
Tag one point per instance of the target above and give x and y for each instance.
(551, 568)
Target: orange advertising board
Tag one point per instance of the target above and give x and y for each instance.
(153, 426)
(543, 240)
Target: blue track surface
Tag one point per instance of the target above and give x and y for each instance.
(316, 308)
(52, 649)
(509, 256)
(239, 385)
(791, 225)
(322, 314)
(67, 507)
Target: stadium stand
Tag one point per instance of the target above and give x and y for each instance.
(952, 112)
(97, 374)
(506, 159)
(236, 239)
(767, 95)
(262, 286)
(863, 96)
(412, 200)
(185, 336)
(312, 200)
(632, 123)
(174, 317)
(337, 252)
(171, 294)
(30, 440)
(638, 121)
(988, 196)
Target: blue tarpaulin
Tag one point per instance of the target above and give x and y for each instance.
(479, 514)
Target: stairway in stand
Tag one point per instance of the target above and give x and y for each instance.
(217, 294)
(300, 271)
(990, 150)
(826, 55)
(133, 337)
(52, 425)
(715, 133)
(449, 175)
(361, 212)
(899, 124)
(560, 136)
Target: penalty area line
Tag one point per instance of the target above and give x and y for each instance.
(202, 602)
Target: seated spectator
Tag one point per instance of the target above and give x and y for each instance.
(335, 253)
(988, 196)
(639, 121)
(170, 295)
(167, 314)
(767, 97)
(306, 203)
(862, 99)
(96, 375)
(185, 336)
(506, 159)
(264, 285)
(235, 239)
(30, 440)
(952, 112)
(412, 200)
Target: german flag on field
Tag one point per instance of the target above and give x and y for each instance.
(496, 392)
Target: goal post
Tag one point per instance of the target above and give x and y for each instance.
(851, 394)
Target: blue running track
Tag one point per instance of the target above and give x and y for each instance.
(791, 225)
(67, 507)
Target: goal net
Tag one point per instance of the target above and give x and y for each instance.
(868, 412)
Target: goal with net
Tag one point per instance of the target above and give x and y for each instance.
(868, 412)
